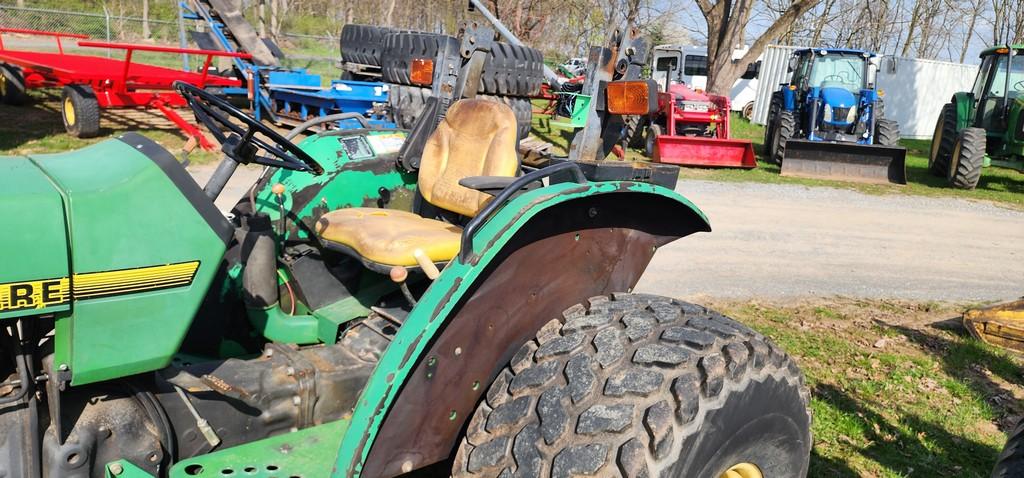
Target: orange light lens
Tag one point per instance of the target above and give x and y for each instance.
(1003, 51)
(628, 97)
(421, 71)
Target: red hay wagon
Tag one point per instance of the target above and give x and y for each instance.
(91, 83)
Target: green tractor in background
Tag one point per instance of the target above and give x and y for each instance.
(984, 126)
(364, 311)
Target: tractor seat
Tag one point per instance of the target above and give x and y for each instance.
(476, 138)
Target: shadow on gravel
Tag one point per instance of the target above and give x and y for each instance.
(908, 446)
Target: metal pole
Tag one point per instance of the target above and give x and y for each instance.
(106, 21)
(509, 37)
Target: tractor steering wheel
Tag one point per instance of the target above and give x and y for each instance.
(1019, 86)
(242, 144)
(838, 79)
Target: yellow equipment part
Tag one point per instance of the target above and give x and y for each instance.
(1001, 324)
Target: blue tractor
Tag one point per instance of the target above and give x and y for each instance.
(828, 120)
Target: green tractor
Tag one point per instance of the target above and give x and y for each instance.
(364, 312)
(984, 126)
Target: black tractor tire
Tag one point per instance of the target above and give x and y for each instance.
(943, 141)
(651, 139)
(407, 103)
(887, 132)
(636, 126)
(512, 70)
(967, 159)
(1010, 463)
(774, 107)
(363, 43)
(12, 86)
(784, 129)
(80, 111)
(509, 70)
(641, 386)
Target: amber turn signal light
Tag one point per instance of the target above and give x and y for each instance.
(631, 97)
(421, 71)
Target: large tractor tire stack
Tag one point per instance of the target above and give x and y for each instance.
(511, 73)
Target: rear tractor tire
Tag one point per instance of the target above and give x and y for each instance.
(1011, 461)
(887, 132)
(80, 111)
(642, 386)
(12, 86)
(967, 159)
(784, 129)
(943, 141)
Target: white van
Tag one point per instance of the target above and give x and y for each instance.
(666, 61)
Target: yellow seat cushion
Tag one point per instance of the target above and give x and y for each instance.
(389, 237)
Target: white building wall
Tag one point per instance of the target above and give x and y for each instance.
(915, 90)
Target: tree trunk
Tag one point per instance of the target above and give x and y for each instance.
(145, 20)
(391, 11)
(727, 24)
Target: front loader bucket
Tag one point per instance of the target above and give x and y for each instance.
(1001, 325)
(707, 152)
(868, 163)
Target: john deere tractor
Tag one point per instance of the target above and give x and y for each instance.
(365, 311)
(984, 126)
(829, 120)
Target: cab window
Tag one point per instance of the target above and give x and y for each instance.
(695, 65)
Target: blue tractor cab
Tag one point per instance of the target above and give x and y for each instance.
(828, 120)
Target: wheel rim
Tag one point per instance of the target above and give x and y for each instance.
(954, 160)
(69, 111)
(936, 142)
(743, 470)
(748, 111)
(3, 85)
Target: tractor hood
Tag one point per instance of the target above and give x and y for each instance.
(838, 97)
(117, 236)
(33, 246)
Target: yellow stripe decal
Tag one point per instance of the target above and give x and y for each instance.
(44, 293)
(37, 294)
(125, 281)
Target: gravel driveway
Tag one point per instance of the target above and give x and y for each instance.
(788, 241)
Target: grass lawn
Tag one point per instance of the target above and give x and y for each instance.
(897, 388)
(1003, 186)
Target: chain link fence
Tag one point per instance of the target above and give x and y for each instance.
(319, 54)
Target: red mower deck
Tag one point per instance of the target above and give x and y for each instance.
(114, 83)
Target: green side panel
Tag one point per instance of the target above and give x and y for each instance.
(125, 212)
(964, 110)
(33, 246)
(440, 299)
(1013, 144)
(357, 166)
(306, 453)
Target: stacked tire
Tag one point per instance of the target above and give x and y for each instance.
(511, 73)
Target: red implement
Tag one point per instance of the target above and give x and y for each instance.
(117, 83)
(696, 131)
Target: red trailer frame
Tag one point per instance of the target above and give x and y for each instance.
(117, 83)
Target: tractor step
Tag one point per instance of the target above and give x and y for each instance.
(868, 163)
(706, 152)
(1001, 325)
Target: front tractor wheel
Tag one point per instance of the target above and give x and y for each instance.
(651, 140)
(642, 386)
(783, 131)
(81, 111)
(967, 159)
(887, 132)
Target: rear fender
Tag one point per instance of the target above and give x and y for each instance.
(541, 253)
(964, 103)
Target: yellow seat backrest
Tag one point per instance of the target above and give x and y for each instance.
(476, 138)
